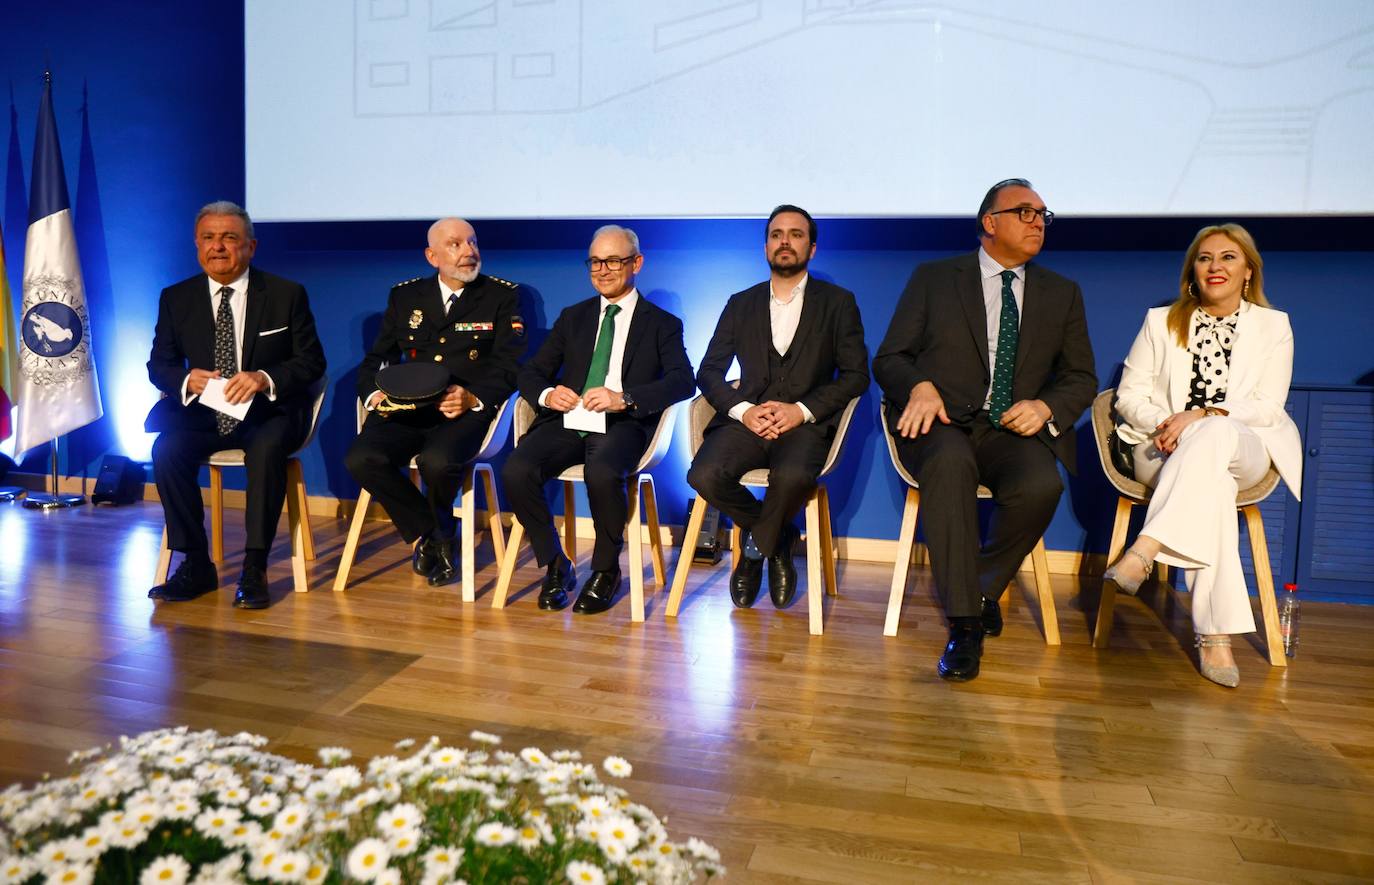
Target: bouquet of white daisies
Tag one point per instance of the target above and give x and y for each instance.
(178, 806)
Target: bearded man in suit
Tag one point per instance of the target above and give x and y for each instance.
(253, 333)
(985, 368)
(799, 341)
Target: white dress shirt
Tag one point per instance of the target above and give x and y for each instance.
(783, 318)
(622, 333)
(238, 306)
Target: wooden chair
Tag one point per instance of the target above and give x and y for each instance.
(1130, 493)
(466, 510)
(820, 541)
(906, 539)
(640, 488)
(297, 509)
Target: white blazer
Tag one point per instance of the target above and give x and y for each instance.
(1158, 371)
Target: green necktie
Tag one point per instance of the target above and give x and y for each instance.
(1007, 334)
(601, 355)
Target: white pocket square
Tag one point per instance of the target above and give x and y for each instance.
(272, 332)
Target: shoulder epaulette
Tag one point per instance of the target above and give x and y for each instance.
(408, 282)
(507, 283)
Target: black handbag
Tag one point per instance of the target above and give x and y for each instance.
(1122, 454)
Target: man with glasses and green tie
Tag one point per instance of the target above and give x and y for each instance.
(985, 368)
(608, 369)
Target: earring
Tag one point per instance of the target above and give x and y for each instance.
(1192, 293)
(1245, 292)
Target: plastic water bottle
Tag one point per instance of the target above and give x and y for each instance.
(1290, 610)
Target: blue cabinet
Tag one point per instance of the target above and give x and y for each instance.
(1325, 542)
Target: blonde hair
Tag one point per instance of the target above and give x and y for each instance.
(1182, 309)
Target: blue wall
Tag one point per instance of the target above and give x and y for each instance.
(166, 98)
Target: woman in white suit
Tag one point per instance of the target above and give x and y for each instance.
(1202, 397)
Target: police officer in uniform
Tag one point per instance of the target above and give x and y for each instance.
(470, 323)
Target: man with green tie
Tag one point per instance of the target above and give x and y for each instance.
(608, 369)
(985, 368)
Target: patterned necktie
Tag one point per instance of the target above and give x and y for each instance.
(601, 355)
(225, 359)
(1007, 334)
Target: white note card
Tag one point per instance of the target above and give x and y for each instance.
(214, 398)
(582, 418)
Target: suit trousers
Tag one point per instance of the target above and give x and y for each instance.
(794, 460)
(549, 449)
(1192, 514)
(441, 447)
(179, 453)
(949, 463)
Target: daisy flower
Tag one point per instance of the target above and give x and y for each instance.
(617, 767)
(264, 804)
(447, 757)
(483, 737)
(15, 869)
(368, 858)
(403, 842)
(289, 866)
(166, 870)
(70, 874)
(399, 817)
(528, 837)
(388, 876)
(291, 819)
(404, 743)
(334, 755)
(495, 834)
(595, 807)
(442, 858)
(534, 756)
(583, 873)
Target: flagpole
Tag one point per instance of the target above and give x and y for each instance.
(53, 500)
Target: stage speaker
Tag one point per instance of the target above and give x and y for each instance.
(120, 481)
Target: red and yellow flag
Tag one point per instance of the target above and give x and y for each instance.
(9, 349)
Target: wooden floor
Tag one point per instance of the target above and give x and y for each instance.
(839, 758)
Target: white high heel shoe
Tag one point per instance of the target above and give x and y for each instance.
(1126, 585)
(1227, 676)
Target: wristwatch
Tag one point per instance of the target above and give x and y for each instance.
(628, 400)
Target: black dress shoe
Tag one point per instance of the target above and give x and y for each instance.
(559, 581)
(252, 592)
(992, 617)
(598, 594)
(425, 556)
(782, 572)
(745, 581)
(960, 661)
(445, 569)
(187, 582)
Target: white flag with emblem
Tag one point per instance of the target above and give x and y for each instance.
(57, 389)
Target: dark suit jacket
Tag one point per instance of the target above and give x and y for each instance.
(827, 360)
(655, 373)
(278, 338)
(480, 341)
(939, 334)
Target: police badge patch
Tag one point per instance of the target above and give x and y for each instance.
(517, 325)
(417, 317)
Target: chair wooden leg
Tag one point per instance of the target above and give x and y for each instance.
(295, 480)
(735, 544)
(684, 559)
(634, 541)
(1102, 633)
(467, 520)
(1041, 566)
(906, 539)
(1161, 572)
(503, 578)
(649, 500)
(164, 560)
(498, 534)
(355, 532)
(832, 583)
(295, 528)
(216, 514)
(569, 521)
(814, 566)
(1264, 579)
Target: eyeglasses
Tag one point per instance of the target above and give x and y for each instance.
(613, 263)
(1027, 214)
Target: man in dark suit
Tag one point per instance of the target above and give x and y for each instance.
(800, 345)
(470, 323)
(617, 355)
(985, 369)
(252, 333)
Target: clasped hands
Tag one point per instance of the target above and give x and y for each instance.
(239, 389)
(925, 406)
(772, 419)
(1168, 431)
(598, 399)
